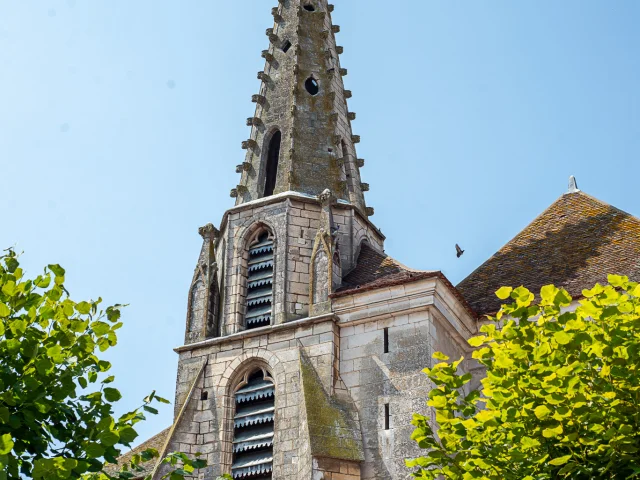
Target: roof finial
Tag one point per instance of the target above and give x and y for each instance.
(573, 185)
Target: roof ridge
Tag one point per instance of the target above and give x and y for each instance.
(409, 269)
(163, 432)
(398, 263)
(605, 204)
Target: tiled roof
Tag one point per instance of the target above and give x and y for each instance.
(156, 442)
(375, 270)
(575, 243)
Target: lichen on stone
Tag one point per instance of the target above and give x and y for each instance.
(334, 430)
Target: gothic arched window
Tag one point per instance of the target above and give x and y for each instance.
(260, 280)
(271, 172)
(254, 427)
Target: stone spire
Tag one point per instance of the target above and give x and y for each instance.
(301, 138)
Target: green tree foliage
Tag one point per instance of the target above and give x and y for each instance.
(56, 395)
(561, 397)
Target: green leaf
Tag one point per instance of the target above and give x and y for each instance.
(563, 338)
(548, 294)
(112, 395)
(9, 288)
(149, 398)
(552, 432)
(542, 412)
(94, 450)
(100, 328)
(43, 281)
(477, 341)
(11, 263)
(83, 308)
(504, 293)
(529, 443)
(6, 444)
(55, 354)
(4, 310)
(560, 460)
(438, 402)
(127, 434)
(149, 409)
(162, 400)
(109, 439)
(617, 280)
(57, 270)
(440, 356)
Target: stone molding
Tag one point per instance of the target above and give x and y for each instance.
(297, 196)
(256, 332)
(386, 302)
(157, 470)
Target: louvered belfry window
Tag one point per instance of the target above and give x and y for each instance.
(253, 428)
(260, 282)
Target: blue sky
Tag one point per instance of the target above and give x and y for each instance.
(121, 123)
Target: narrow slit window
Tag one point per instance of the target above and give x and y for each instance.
(309, 8)
(387, 416)
(286, 46)
(253, 428)
(260, 282)
(204, 396)
(273, 156)
(386, 340)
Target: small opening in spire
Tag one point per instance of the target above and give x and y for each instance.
(312, 86)
(309, 8)
(286, 46)
(387, 416)
(273, 155)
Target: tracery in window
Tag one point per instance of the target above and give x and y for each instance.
(254, 427)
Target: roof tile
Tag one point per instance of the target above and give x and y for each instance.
(156, 442)
(575, 243)
(376, 270)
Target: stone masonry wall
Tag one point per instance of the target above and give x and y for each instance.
(331, 469)
(294, 224)
(209, 426)
(375, 378)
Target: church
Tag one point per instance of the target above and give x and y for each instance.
(305, 342)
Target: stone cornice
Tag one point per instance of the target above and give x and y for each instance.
(297, 196)
(430, 293)
(256, 332)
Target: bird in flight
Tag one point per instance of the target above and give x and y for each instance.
(459, 251)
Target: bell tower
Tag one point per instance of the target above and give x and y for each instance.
(259, 388)
(300, 215)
